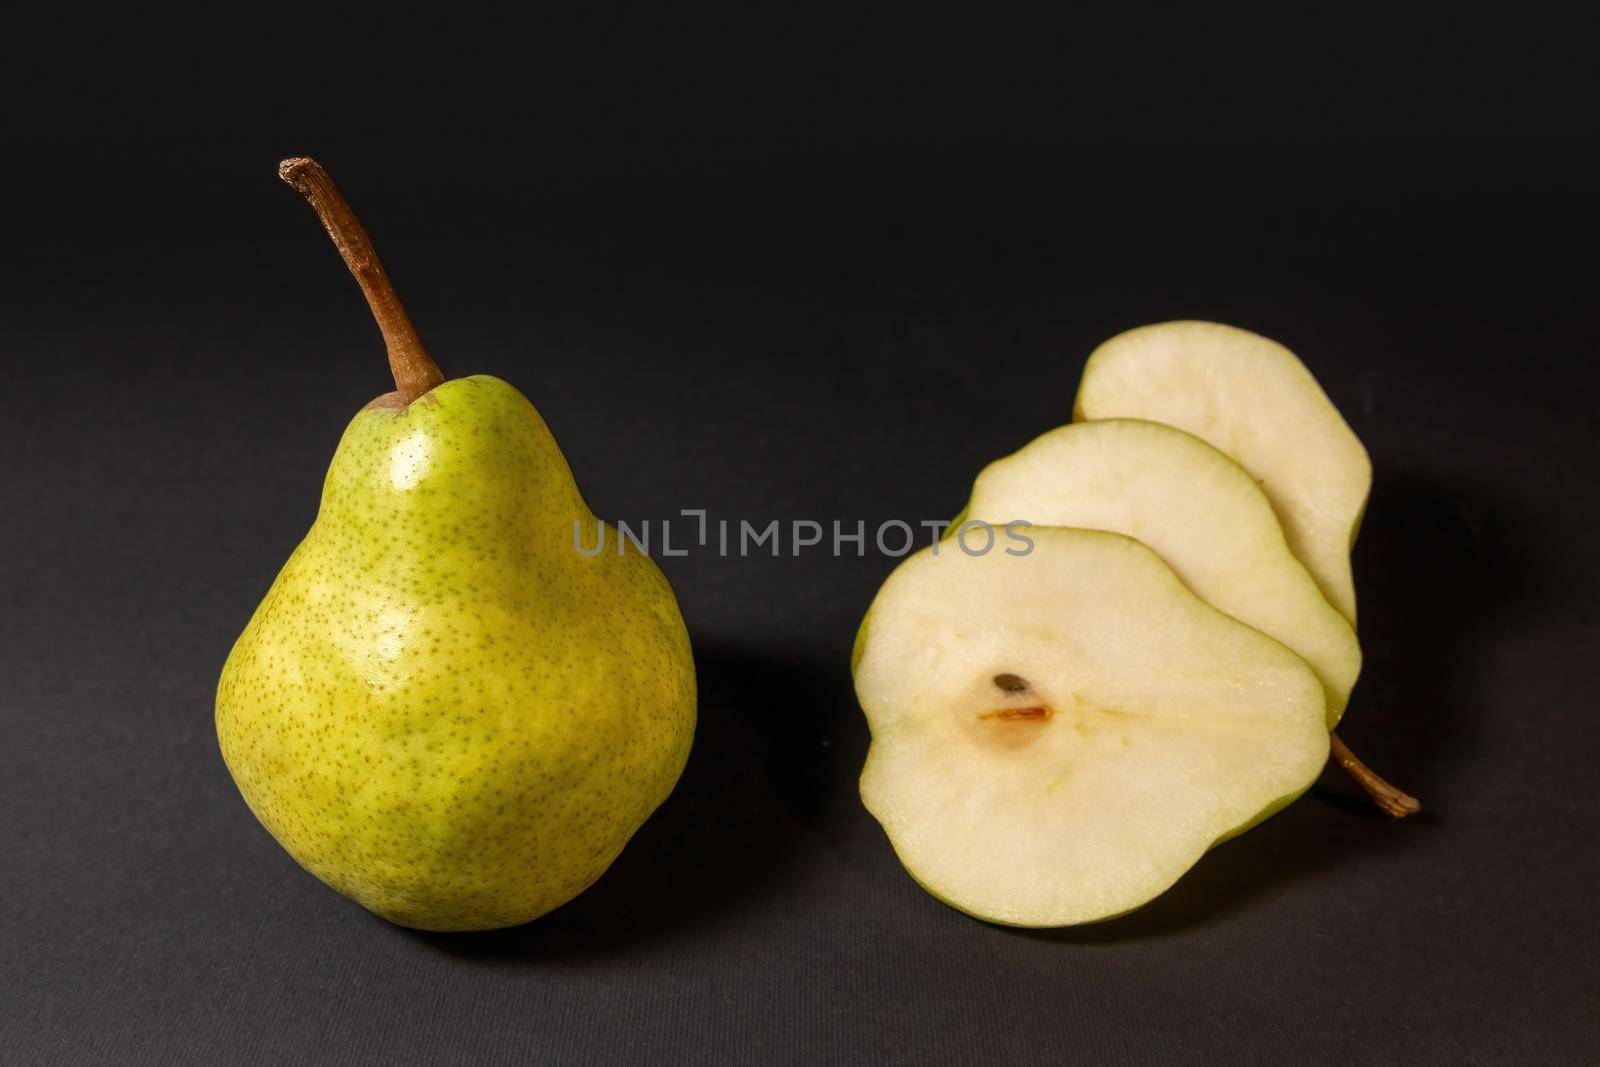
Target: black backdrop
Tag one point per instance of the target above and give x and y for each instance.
(792, 268)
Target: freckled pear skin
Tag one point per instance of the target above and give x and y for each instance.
(442, 708)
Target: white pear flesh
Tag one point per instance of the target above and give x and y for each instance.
(1058, 736)
(1252, 398)
(1199, 510)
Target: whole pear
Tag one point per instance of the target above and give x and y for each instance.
(442, 708)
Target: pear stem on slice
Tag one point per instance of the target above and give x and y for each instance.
(414, 371)
(1387, 797)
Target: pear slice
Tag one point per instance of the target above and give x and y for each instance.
(1058, 736)
(1198, 509)
(1252, 398)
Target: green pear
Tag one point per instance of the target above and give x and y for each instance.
(1057, 736)
(1198, 509)
(442, 708)
(1253, 399)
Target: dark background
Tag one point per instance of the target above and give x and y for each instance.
(783, 267)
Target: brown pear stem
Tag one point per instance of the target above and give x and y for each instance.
(1387, 797)
(414, 372)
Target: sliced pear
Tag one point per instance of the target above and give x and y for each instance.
(1252, 398)
(1058, 736)
(1198, 509)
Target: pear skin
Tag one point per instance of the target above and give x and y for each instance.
(443, 708)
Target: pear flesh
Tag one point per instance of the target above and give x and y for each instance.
(1198, 509)
(1253, 399)
(441, 708)
(1057, 737)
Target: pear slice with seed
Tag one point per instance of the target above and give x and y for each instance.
(1058, 736)
(1198, 509)
(1253, 399)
